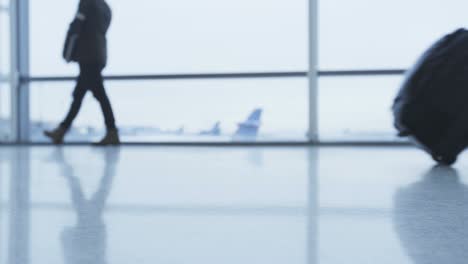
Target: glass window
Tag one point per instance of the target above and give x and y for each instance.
(5, 111)
(182, 36)
(368, 34)
(5, 88)
(357, 108)
(185, 110)
(4, 41)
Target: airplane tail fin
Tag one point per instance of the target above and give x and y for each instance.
(255, 116)
(251, 126)
(215, 131)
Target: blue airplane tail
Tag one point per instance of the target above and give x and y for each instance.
(215, 131)
(251, 126)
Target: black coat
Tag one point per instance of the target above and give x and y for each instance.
(86, 41)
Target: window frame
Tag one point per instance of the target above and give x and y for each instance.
(22, 79)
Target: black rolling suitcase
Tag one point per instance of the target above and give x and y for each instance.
(432, 104)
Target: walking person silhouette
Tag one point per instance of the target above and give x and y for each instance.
(86, 44)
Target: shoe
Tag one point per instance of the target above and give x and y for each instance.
(56, 135)
(111, 138)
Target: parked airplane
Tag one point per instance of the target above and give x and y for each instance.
(246, 130)
(251, 126)
(215, 131)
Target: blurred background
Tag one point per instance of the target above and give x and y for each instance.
(376, 41)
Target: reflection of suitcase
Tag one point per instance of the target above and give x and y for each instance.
(432, 105)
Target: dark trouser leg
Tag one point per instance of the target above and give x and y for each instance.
(78, 95)
(90, 78)
(100, 94)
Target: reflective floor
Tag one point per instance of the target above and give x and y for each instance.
(298, 205)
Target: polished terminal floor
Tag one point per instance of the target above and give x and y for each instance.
(208, 205)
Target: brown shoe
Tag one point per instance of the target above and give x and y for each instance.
(111, 138)
(56, 135)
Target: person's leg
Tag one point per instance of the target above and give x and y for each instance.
(58, 134)
(78, 96)
(106, 107)
(99, 92)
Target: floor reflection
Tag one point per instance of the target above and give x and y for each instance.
(86, 242)
(19, 202)
(182, 228)
(430, 218)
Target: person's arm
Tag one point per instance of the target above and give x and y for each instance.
(74, 31)
(82, 14)
(84, 9)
